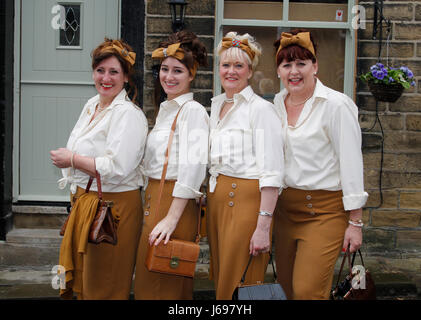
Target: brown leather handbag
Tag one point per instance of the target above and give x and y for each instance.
(345, 290)
(177, 257)
(104, 226)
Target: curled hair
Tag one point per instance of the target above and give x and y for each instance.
(236, 53)
(294, 51)
(195, 54)
(105, 51)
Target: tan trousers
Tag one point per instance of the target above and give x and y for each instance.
(154, 285)
(107, 269)
(231, 220)
(309, 232)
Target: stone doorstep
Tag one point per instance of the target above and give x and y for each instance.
(35, 237)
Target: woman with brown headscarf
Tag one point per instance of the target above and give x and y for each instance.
(320, 210)
(180, 55)
(109, 138)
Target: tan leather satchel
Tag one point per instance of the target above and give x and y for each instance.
(177, 257)
(104, 226)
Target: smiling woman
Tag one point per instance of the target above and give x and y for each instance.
(109, 138)
(180, 55)
(246, 169)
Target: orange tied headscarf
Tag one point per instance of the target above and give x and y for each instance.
(174, 51)
(242, 44)
(302, 39)
(129, 56)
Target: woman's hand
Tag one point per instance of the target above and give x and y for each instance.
(260, 241)
(61, 157)
(353, 235)
(165, 227)
(163, 230)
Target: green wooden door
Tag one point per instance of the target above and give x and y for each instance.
(55, 82)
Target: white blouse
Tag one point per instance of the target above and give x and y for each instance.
(115, 138)
(189, 148)
(323, 149)
(247, 143)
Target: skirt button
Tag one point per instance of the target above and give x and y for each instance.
(231, 203)
(147, 213)
(308, 197)
(231, 194)
(234, 185)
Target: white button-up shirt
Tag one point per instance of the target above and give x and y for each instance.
(189, 148)
(115, 138)
(323, 149)
(247, 143)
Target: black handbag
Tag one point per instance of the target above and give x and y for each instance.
(263, 291)
(344, 290)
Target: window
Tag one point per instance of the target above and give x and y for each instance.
(329, 21)
(70, 33)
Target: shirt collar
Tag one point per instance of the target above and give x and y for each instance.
(319, 91)
(179, 101)
(245, 94)
(122, 96)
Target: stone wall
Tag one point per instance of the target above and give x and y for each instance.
(394, 227)
(200, 19)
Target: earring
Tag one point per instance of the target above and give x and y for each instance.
(279, 77)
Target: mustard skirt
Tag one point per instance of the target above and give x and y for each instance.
(232, 213)
(153, 285)
(107, 269)
(308, 234)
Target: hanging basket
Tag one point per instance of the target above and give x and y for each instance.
(385, 92)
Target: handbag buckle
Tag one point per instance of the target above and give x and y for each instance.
(108, 204)
(174, 262)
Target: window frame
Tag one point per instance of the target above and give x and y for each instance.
(350, 39)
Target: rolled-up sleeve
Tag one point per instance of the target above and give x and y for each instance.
(193, 129)
(268, 142)
(346, 138)
(124, 144)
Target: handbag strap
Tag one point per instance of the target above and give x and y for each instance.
(164, 173)
(98, 183)
(351, 264)
(243, 278)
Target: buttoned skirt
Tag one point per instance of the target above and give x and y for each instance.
(232, 213)
(153, 285)
(308, 233)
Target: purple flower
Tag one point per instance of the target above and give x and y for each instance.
(391, 79)
(413, 83)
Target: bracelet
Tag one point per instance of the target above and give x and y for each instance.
(359, 223)
(71, 160)
(265, 213)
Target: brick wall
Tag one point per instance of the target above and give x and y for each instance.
(395, 226)
(200, 19)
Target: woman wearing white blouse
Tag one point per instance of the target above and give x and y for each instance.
(320, 210)
(180, 57)
(109, 137)
(246, 169)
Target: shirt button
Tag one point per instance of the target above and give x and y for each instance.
(147, 213)
(231, 203)
(231, 194)
(309, 206)
(308, 197)
(234, 185)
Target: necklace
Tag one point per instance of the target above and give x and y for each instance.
(229, 100)
(99, 108)
(298, 104)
